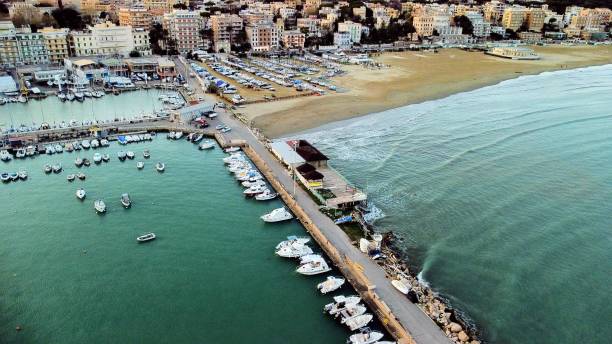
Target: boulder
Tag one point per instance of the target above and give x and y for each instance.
(463, 336)
(454, 327)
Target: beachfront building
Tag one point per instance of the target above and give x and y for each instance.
(342, 39)
(354, 30)
(571, 12)
(423, 24)
(482, 29)
(56, 43)
(293, 39)
(107, 39)
(137, 17)
(142, 42)
(263, 37)
(9, 50)
(226, 28)
(514, 17)
(535, 19)
(32, 49)
(184, 28)
(311, 25)
(592, 19)
(493, 11)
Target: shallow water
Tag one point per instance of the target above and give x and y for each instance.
(503, 198)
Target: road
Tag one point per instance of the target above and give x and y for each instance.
(416, 322)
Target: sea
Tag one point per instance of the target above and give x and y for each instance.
(69, 275)
(502, 197)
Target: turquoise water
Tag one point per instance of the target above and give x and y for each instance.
(68, 275)
(52, 110)
(503, 198)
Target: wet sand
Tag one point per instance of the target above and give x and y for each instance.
(413, 77)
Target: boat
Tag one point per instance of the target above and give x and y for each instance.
(254, 190)
(266, 195)
(122, 140)
(330, 284)
(5, 178)
(81, 194)
(146, 237)
(146, 154)
(313, 267)
(61, 96)
(126, 201)
(208, 144)
(351, 311)
(30, 150)
(400, 285)
(190, 137)
(140, 165)
(248, 184)
(358, 322)
(20, 153)
(178, 135)
(58, 148)
(47, 168)
(86, 162)
(81, 176)
(5, 156)
(100, 206)
(95, 143)
(294, 250)
(277, 215)
(97, 158)
(130, 155)
(121, 155)
(160, 167)
(105, 157)
(69, 96)
(197, 138)
(57, 168)
(68, 147)
(23, 175)
(14, 176)
(49, 150)
(104, 143)
(365, 337)
(231, 149)
(340, 303)
(171, 135)
(292, 239)
(76, 145)
(70, 177)
(86, 144)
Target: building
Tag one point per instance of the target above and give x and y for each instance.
(423, 24)
(293, 39)
(312, 25)
(104, 39)
(530, 37)
(226, 28)
(493, 11)
(263, 37)
(535, 19)
(354, 29)
(166, 68)
(342, 39)
(56, 43)
(137, 17)
(142, 43)
(9, 49)
(184, 28)
(482, 29)
(32, 49)
(514, 17)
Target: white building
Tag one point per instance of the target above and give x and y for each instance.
(184, 28)
(263, 37)
(107, 39)
(354, 29)
(342, 39)
(481, 27)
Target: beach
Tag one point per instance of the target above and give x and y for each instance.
(412, 77)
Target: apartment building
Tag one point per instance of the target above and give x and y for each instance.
(56, 43)
(311, 24)
(482, 29)
(137, 17)
(105, 39)
(263, 37)
(9, 49)
(184, 28)
(354, 30)
(226, 28)
(514, 17)
(535, 19)
(293, 39)
(493, 11)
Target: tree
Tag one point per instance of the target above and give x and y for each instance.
(212, 88)
(68, 18)
(47, 20)
(135, 53)
(465, 23)
(157, 36)
(180, 6)
(3, 9)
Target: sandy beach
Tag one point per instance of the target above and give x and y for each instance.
(413, 77)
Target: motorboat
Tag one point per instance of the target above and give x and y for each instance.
(190, 137)
(86, 162)
(140, 165)
(294, 250)
(248, 184)
(104, 143)
(314, 267)
(121, 155)
(277, 215)
(178, 135)
(14, 176)
(49, 150)
(160, 167)
(146, 154)
(126, 201)
(81, 194)
(236, 157)
(197, 138)
(68, 147)
(47, 169)
(231, 149)
(171, 135)
(122, 140)
(351, 311)
(330, 284)
(340, 303)
(208, 144)
(5, 156)
(292, 239)
(401, 285)
(148, 137)
(61, 96)
(255, 190)
(100, 206)
(266, 195)
(95, 143)
(70, 177)
(85, 144)
(105, 157)
(358, 322)
(23, 175)
(58, 148)
(97, 158)
(81, 176)
(365, 337)
(146, 237)
(20, 153)
(130, 155)
(57, 168)
(76, 145)
(5, 178)
(30, 150)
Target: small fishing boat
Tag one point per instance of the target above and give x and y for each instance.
(146, 154)
(197, 138)
(58, 148)
(104, 143)
(85, 144)
(293, 250)
(76, 145)
(231, 149)
(14, 176)
(266, 195)
(86, 162)
(5, 156)
(100, 206)
(81, 176)
(121, 155)
(126, 201)
(146, 237)
(70, 177)
(358, 322)
(365, 337)
(340, 303)
(140, 165)
(30, 150)
(20, 153)
(57, 168)
(171, 135)
(255, 190)
(292, 239)
(178, 135)
(97, 158)
(81, 194)
(105, 157)
(160, 167)
(208, 144)
(68, 147)
(5, 178)
(313, 267)
(23, 175)
(48, 169)
(277, 215)
(95, 143)
(330, 284)
(130, 155)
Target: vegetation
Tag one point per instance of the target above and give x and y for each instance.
(68, 18)
(212, 88)
(390, 33)
(465, 24)
(135, 53)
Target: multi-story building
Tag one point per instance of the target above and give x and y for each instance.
(311, 24)
(482, 28)
(514, 17)
(423, 24)
(142, 43)
(226, 28)
(102, 39)
(56, 43)
(9, 49)
(184, 28)
(32, 49)
(137, 17)
(342, 39)
(493, 11)
(570, 12)
(592, 18)
(263, 37)
(354, 29)
(294, 39)
(535, 19)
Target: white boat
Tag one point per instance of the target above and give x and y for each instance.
(358, 322)
(48, 169)
(351, 311)
(61, 96)
(146, 154)
(206, 145)
(20, 153)
(121, 155)
(314, 267)
(58, 148)
(100, 206)
(68, 147)
(277, 215)
(130, 155)
(95, 143)
(76, 145)
(126, 201)
(70, 177)
(81, 176)
(23, 175)
(30, 150)
(231, 149)
(365, 337)
(294, 250)
(49, 150)
(56, 168)
(254, 190)
(81, 194)
(86, 144)
(97, 158)
(160, 167)
(171, 135)
(178, 135)
(78, 162)
(5, 177)
(69, 96)
(105, 157)
(197, 138)
(248, 184)
(340, 303)
(400, 285)
(266, 195)
(140, 165)
(5, 156)
(292, 239)
(146, 237)
(104, 143)
(330, 284)
(363, 245)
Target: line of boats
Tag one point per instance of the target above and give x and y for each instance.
(134, 138)
(7, 177)
(79, 95)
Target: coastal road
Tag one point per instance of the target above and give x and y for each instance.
(416, 322)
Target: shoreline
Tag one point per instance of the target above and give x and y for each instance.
(413, 77)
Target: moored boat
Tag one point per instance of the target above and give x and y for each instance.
(86, 144)
(146, 237)
(266, 195)
(126, 201)
(313, 267)
(57, 168)
(160, 167)
(100, 206)
(86, 162)
(81, 176)
(208, 144)
(97, 158)
(5, 177)
(121, 155)
(146, 154)
(277, 215)
(48, 169)
(330, 284)
(105, 157)
(70, 177)
(365, 337)
(23, 174)
(140, 165)
(130, 155)
(81, 194)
